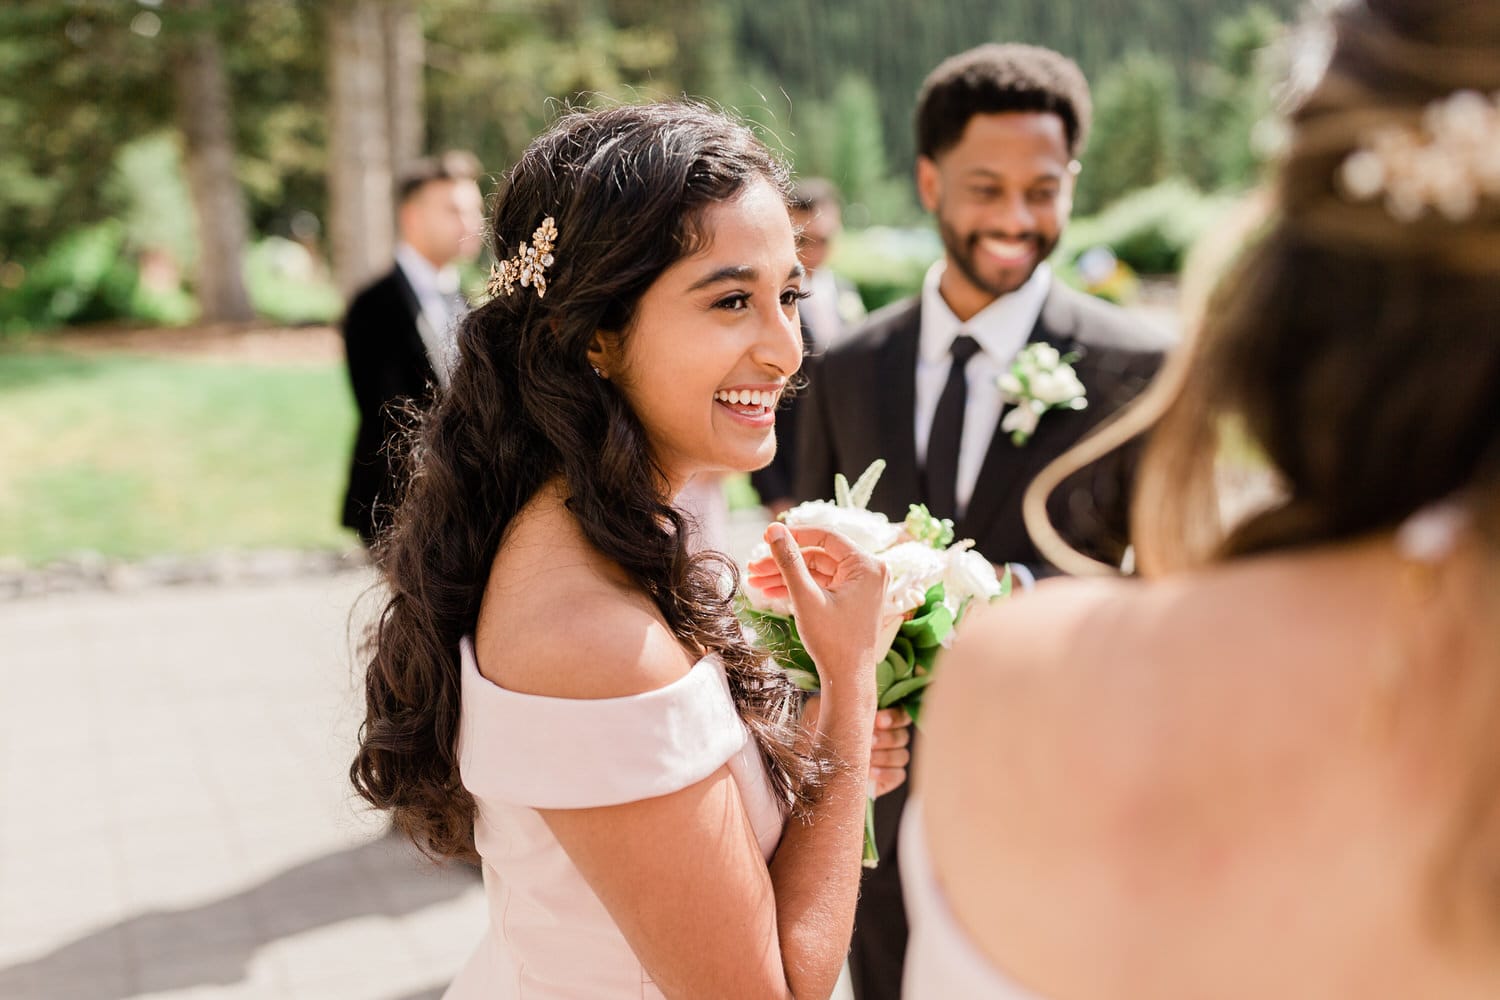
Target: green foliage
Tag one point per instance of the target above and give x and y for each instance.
(288, 285)
(132, 456)
(155, 207)
(886, 264)
(76, 83)
(1135, 136)
(86, 104)
(1232, 96)
(809, 48)
(1150, 230)
(843, 140)
(86, 276)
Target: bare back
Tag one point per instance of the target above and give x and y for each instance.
(1229, 784)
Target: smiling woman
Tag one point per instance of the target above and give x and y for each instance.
(714, 341)
(557, 685)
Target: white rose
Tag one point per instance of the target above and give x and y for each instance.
(1010, 385)
(913, 568)
(1023, 418)
(969, 575)
(865, 529)
(1045, 386)
(1045, 356)
(1053, 388)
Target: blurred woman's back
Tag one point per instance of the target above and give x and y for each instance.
(1271, 769)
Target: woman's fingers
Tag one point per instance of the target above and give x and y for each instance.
(818, 561)
(890, 759)
(801, 588)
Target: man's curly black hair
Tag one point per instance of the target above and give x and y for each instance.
(993, 79)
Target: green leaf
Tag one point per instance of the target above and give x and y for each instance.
(913, 708)
(841, 491)
(903, 689)
(929, 629)
(903, 648)
(1007, 580)
(798, 658)
(933, 597)
(805, 680)
(864, 487)
(885, 674)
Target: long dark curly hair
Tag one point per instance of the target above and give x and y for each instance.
(627, 187)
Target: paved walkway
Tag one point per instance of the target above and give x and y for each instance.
(175, 817)
(175, 814)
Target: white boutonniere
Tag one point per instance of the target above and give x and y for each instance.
(1040, 379)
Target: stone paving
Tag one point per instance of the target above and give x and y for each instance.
(175, 817)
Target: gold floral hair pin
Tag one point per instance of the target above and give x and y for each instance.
(528, 267)
(1448, 162)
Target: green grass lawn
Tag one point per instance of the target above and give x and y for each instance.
(132, 456)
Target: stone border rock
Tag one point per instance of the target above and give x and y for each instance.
(91, 572)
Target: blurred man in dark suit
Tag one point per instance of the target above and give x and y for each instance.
(999, 130)
(399, 332)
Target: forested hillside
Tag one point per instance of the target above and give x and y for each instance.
(809, 49)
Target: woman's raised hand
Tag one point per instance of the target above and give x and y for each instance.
(837, 594)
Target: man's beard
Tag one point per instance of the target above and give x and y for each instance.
(961, 250)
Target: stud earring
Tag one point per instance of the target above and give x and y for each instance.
(598, 371)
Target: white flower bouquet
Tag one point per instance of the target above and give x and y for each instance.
(931, 581)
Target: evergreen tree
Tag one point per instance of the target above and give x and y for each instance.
(1135, 135)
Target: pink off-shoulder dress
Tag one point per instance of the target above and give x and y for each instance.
(549, 936)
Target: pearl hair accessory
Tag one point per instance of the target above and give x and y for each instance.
(1448, 163)
(1430, 534)
(529, 264)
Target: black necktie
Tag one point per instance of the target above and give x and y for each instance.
(948, 432)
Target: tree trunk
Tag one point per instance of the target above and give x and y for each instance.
(361, 214)
(405, 58)
(203, 117)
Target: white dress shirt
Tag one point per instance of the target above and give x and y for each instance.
(437, 291)
(1001, 329)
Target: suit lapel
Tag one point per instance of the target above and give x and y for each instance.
(1008, 468)
(420, 330)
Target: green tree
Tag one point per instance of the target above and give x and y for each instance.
(1234, 89)
(1135, 136)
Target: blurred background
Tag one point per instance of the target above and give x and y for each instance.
(185, 182)
(190, 191)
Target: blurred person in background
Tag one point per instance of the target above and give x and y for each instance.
(399, 331)
(1269, 768)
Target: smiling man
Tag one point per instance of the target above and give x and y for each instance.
(1000, 129)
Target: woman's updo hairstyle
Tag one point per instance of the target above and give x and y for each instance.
(1355, 345)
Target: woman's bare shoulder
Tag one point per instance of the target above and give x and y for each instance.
(574, 632)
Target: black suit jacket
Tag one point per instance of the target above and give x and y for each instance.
(861, 409)
(388, 365)
(778, 480)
